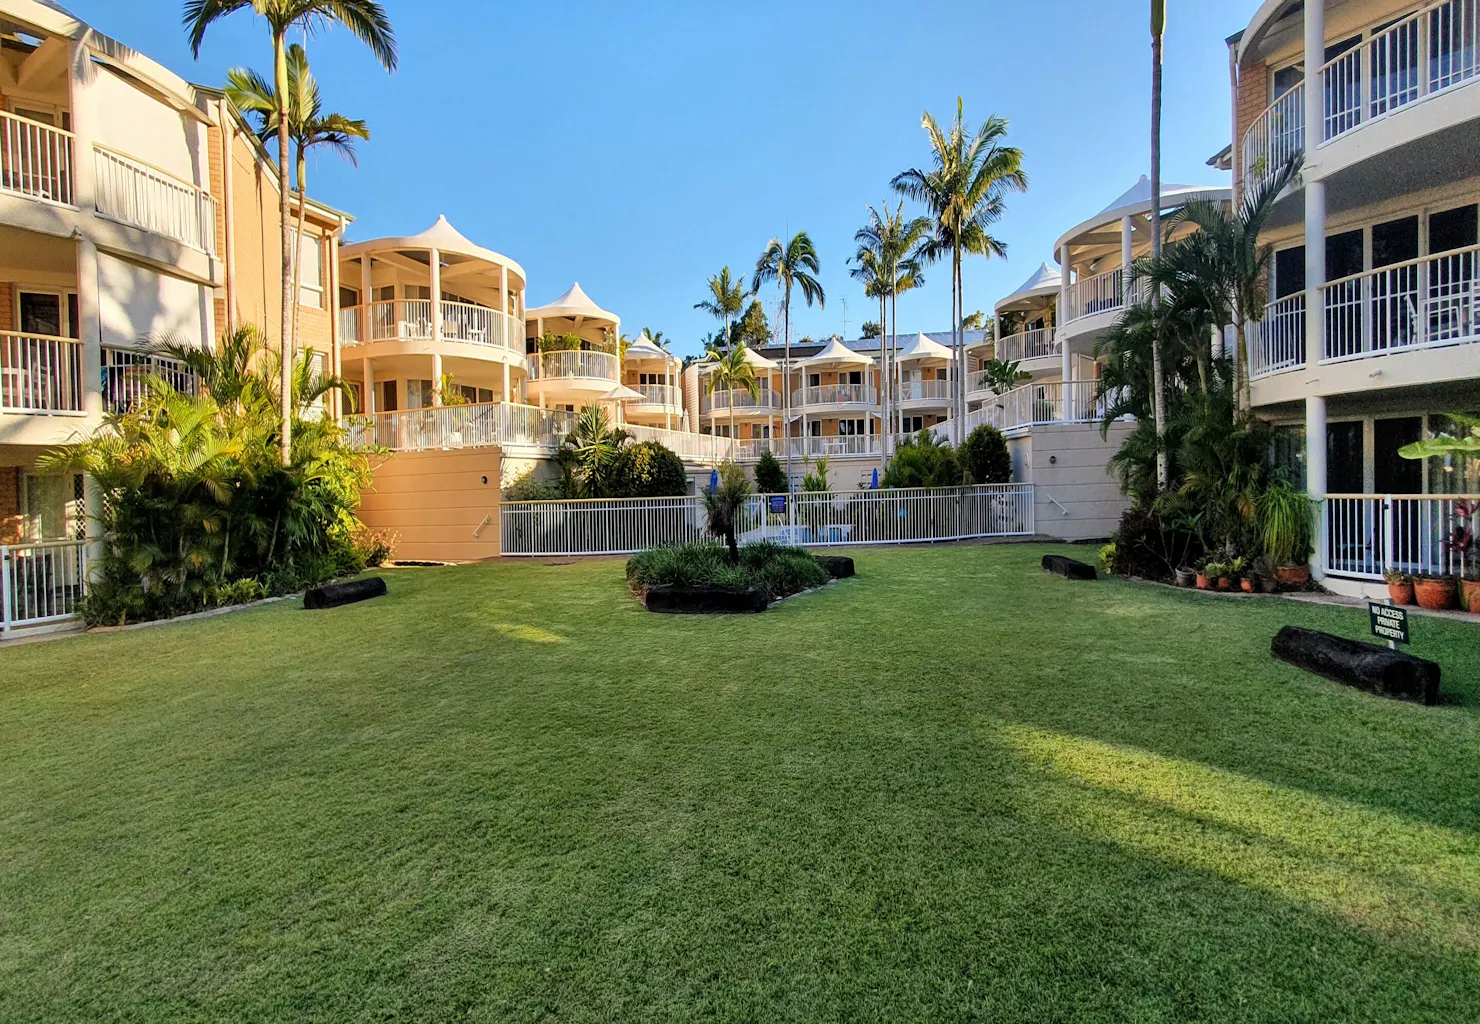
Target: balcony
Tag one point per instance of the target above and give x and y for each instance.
(40, 375)
(461, 426)
(1102, 293)
(808, 447)
(152, 200)
(35, 160)
(1041, 343)
(412, 320)
(1274, 138)
(913, 393)
(834, 394)
(741, 401)
(1037, 404)
(1421, 304)
(661, 395)
(125, 374)
(574, 365)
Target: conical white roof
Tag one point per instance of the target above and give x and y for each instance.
(922, 346)
(622, 393)
(1172, 194)
(575, 304)
(1046, 280)
(441, 236)
(643, 348)
(835, 352)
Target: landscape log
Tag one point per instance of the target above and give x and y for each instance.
(1365, 666)
(332, 595)
(700, 599)
(1068, 568)
(839, 567)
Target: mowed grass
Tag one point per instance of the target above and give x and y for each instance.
(953, 788)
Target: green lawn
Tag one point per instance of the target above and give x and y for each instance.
(951, 789)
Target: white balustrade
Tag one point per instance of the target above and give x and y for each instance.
(1098, 294)
(349, 326)
(1420, 303)
(723, 401)
(1040, 343)
(462, 426)
(708, 448)
(125, 374)
(35, 159)
(574, 363)
(834, 394)
(656, 394)
(1274, 138)
(1368, 534)
(41, 583)
(40, 374)
(1279, 338)
(925, 390)
(145, 197)
(1035, 404)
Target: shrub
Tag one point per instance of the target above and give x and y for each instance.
(774, 569)
(985, 458)
(527, 487)
(1153, 548)
(923, 461)
(815, 481)
(648, 470)
(770, 478)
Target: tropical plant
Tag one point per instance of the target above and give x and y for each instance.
(773, 569)
(367, 20)
(1446, 444)
(1158, 30)
(977, 321)
(732, 371)
(723, 504)
(770, 478)
(889, 262)
(965, 191)
(656, 337)
(448, 392)
(925, 460)
(815, 481)
(527, 486)
(790, 264)
(1002, 376)
(309, 127)
(984, 456)
(725, 301)
(871, 329)
(590, 454)
(649, 470)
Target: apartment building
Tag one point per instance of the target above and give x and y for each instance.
(134, 207)
(1371, 334)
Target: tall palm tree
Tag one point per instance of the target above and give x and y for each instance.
(1158, 28)
(898, 243)
(656, 337)
(368, 21)
(868, 268)
(790, 264)
(732, 371)
(965, 193)
(726, 299)
(309, 127)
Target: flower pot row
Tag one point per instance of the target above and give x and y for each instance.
(1229, 576)
(1435, 593)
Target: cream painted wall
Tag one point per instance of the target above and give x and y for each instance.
(139, 304)
(131, 121)
(436, 501)
(1066, 463)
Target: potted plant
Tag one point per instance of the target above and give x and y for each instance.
(1239, 572)
(1286, 528)
(1264, 578)
(1400, 587)
(1462, 543)
(1436, 593)
(1186, 576)
(1469, 590)
(1205, 577)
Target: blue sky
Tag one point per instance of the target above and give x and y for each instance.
(638, 148)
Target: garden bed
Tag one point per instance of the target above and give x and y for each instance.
(766, 571)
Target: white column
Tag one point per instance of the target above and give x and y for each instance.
(435, 258)
(436, 378)
(1315, 472)
(367, 387)
(668, 398)
(1127, 256)
(1315, 57)
(506, 383)
(503, 307)
(1315, 191)
(89, 328)
(1066, 368)
(365, 296)
(228, 209)
(336, 366)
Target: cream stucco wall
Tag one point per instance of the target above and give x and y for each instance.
(437, 501)
(1066, 462)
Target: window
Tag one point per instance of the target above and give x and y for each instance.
(911, 424)
(814, 380)
(45, 313)
(814, 428)
(52, 507)
(418, 394)
(1395, 241)
(387, 396)
(850, 428)
(1343, 254)
(386, 293)
(1393, 474)
(310, 250)
(1344, 458)
(418, 291)
(1452, 474)
(348, 297)
(1288, 454)
(855, 377)
(1289, 272)
(1452, 229)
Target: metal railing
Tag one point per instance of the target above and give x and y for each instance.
(657, 394)
(461, 426)
(723, 401)
(41, 583)
(1097, 294)
(1429, 51)
(35, 159)
(145, 197)
(574, 363)
(705, 448)
(1420, 303)
(834, 394)
(1040, 343)
(925, 390)
(1274, 138)
(905, 516)
(412, 320)
(1280, 337)
(349, 325)
(1035, 404)
(1368, 534)
(40, 374)
(125, 371)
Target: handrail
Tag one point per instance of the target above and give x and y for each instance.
(148, 197)
(566, 363)
(35, 159)
(40, 373)
(1274, 137)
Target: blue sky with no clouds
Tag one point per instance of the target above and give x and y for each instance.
(638, 148)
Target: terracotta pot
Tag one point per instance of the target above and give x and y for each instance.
(1293, 573)
(1435, 595)
(1247, 584)
(1401, 593)
(1203, 583)
(1470, 596)
(1224, 583)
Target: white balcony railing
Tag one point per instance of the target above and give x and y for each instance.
(462, 426)
(349, 326)
(1368, 534)
(834, 394)
(125, 372)
(925, 390)
(574, 364)
(40, 374)
(41, 583)
(656, 394)
(1097, 294)
(724, 401)
(1274, 138)
(412, 320)
(145, 197)
(1041, 343)
(35, 159)
(1035, 404)
(1429, 51)
(1416, 304)
(706, 448)
(1279, 342)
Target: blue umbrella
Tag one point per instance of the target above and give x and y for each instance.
(875, 484)
(714, 479)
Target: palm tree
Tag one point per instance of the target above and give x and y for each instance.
(896, 242)
(868, 267)
(732, 371)
(723, 505)
(367, 20)
(965, 193)
(1158, 28)
(726, 299)
(309, 128)
(590, 452)
(793, 263)
(656, 337)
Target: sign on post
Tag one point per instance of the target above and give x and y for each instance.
(776, 504)
(1389, 622)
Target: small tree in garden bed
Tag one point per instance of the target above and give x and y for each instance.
(984, 456)
(770, 478)
(923, 461)
(648, 470)
(723, 504)
(590, 454)
(774, 569)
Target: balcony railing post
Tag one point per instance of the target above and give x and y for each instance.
(1389, 533)
(6, 612)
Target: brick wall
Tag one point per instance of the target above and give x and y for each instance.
(10, 504)
(1253, 98)
(7, 306)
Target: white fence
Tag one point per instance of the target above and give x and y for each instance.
(1368, 534)
(1034, 404)
(1280, 337)
(148, 198)
(1039, 343)
(41, 583)
(40, 374)
(624, 526)
(124, 373)
(35, 159)
(461, 426)
(574, 363)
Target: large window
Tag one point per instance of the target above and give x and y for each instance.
(310, 250)
(52, 507)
